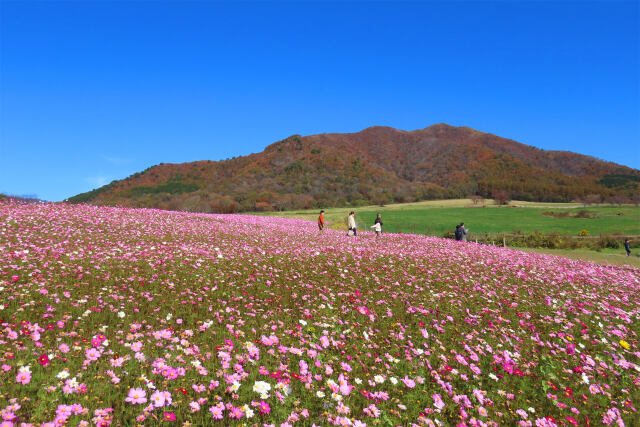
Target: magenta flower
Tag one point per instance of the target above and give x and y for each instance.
(216, 412)
(264, 407)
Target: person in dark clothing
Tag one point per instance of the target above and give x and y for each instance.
(627, 247)
(457, 233)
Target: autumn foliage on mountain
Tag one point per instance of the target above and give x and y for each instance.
(375, 166)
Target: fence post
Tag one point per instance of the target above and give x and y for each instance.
(504, 242)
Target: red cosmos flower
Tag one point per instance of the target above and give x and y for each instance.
(169, 416)
(572, 420)
(276, 374)
(44, 360)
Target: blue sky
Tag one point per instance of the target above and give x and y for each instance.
(95, 91)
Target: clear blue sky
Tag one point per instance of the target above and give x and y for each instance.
(95, 91)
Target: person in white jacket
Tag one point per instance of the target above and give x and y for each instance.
(377, 228)
(351, 222)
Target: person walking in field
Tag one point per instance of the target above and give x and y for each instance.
(463, 232)
(351, 223)
(321, 221)
(377, 225)
(627, 247)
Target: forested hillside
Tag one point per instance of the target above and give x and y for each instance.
(377, 165)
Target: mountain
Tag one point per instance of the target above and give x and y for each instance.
(376, 165)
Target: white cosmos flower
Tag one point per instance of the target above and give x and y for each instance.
(261, 387)
(248, 412)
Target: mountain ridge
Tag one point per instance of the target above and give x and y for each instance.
(379, 164)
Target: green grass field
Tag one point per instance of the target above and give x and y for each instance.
(437, 217)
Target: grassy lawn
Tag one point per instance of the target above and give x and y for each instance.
(605, 257)
(437, 217)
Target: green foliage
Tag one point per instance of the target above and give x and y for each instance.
(295, 167)
(91, 195)
(620, 180)
(175, 187)
(607, 242)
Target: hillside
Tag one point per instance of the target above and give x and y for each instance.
(376, 165)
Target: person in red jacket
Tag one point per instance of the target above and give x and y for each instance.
(321, 221)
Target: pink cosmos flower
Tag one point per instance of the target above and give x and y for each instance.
(23, 378)
(157, 398)
(236, 413)
(92, 354)
(324, 340)
(437, 401)
(136, 396)
(216, 412)
(408, 382)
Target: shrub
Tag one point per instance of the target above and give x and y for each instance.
(607, 242)
(583, 233)
(582, 213)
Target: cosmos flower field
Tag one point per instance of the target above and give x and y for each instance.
(122, 317)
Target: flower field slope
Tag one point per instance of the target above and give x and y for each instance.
(122, 317)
